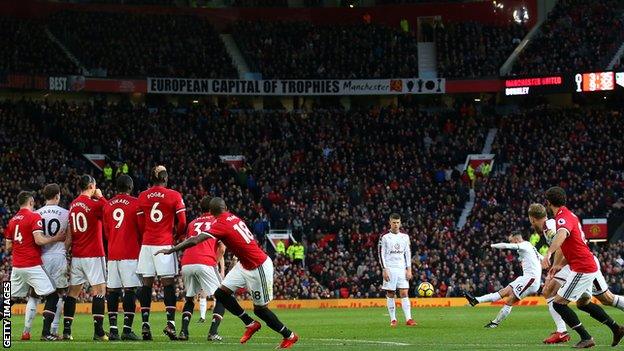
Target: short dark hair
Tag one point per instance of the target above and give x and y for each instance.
(125, 183)
(23, 197)
(204, 204)
(395, 215)
(50, 191)
(556, 196)
(217, 206)
(159, 175)
(85, 181)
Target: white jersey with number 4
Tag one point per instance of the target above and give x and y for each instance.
(529, 257)
(394, 251)
(55, 220)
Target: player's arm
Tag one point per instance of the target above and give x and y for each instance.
(560, 237)
(408, 260)
(382, 259)
(180, 217)
(505, 246)
(190, 242)
(221, 257)
(8, 238)
(41, 239)
(8, 245)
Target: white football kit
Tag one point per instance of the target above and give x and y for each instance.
(530, 281)
(54, 221)
(395, 255)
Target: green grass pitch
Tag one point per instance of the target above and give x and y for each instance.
(347, 329)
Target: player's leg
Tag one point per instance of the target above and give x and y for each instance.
(260, 283)
(95, 267)
(601, 291)
(504, 312)
(203, 306)
(166, 267)
(59, 310)
(130, 281)
(113, 283)
(390, 287)
(42, 285)
(598, 313)
(217, 316)
(20, 289)
(76, 279)
(210, 283)
(549, 291)
(191, 285)
(147, 270)
(406, 306)
(576, 284)
(31, 312)
(56, 268)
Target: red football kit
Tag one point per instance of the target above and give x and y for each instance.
(26, 252)
(233, 232)
(574, 248)
(85, 223)
(204, 252)
(121, 228)
(158, 208)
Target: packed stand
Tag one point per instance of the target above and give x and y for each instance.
(578, 36)
(474, 50)
(302, 50)
(26, 49)
(139, 45)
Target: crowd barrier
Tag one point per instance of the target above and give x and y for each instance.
(325, 304)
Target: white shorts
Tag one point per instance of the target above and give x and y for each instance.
(56, 268)
(599, 286)
(122, 274)
(164, 266)
(398, 279)
(198, 277)
(90, 270)
(259, 281)
(577, 285)
(24, 278)
(525, 285)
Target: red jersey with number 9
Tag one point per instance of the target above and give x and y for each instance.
(233, 232)
(85, 223)
(158, 207)
(574, 248)
(204, 252)
(26, 252)
(121, 228)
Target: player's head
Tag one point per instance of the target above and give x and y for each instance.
(124, 184)
(395, 222)
(26, 199)
(87, 184)
(555, 197)
(537, 216)
(159, 175)
(204, 204)
(516, 238)
(52, 193)
(217, 206)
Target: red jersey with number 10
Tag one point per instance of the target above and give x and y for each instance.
(85, 223)
(204, 252)
(26, 252)
(121, 228)
(574, 248)
(233, 232)
(159, 207)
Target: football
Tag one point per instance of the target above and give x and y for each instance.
(425, 289)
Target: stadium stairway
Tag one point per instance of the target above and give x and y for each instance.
(616, 58)
(69, 55)
(427, 60)
(487, 148)
(236, 55)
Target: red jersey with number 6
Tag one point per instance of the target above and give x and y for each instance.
(121, 228)
(85, 223)
(159, 207)
(26, 252)
(233, 232)
(204, 252)
(574, 248)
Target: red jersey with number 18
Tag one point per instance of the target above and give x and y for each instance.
(85, 223)
(233, 232)
(574, 248)
(121, 228)
(204, 252)
(26, 252)
(158, 208)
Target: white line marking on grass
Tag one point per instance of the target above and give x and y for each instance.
(356, 341)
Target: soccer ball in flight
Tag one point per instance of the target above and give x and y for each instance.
(425, 289)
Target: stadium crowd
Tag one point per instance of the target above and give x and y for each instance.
(290, 50)
(578, 36)
(333, 177)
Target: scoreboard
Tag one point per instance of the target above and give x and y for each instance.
(565, 83)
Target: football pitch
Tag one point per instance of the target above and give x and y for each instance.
(455, 328)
